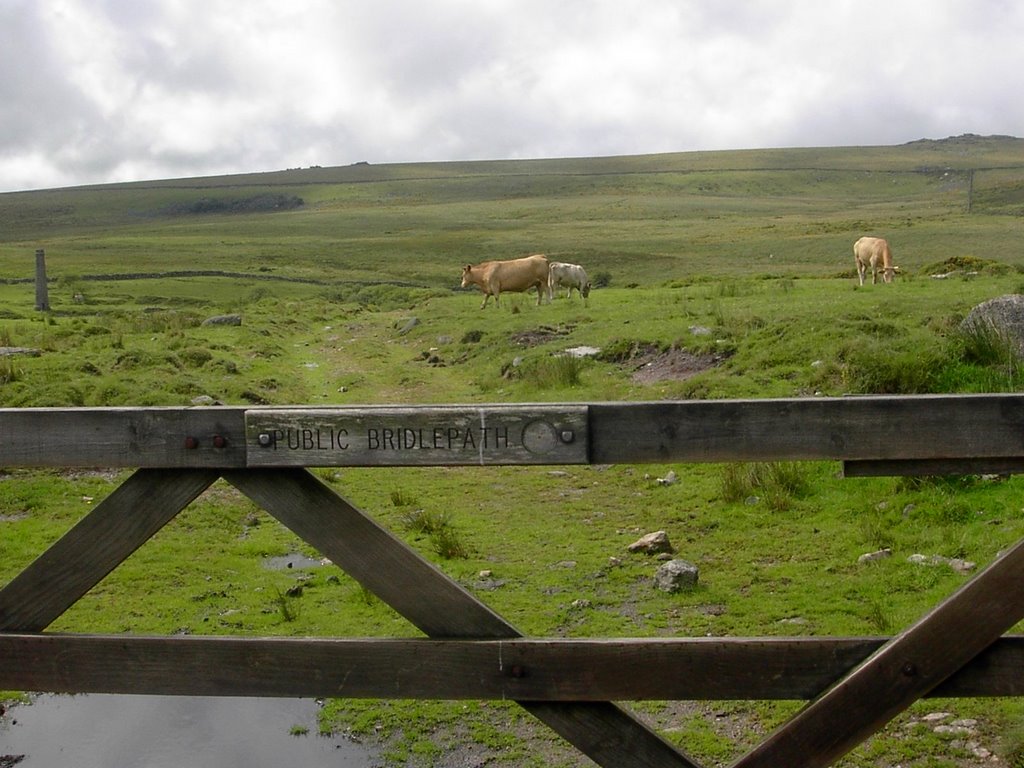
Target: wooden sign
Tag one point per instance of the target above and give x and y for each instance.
(420, 436)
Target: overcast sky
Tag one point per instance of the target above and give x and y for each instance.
(123, 90)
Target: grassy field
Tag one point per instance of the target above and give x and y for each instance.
(736, 268)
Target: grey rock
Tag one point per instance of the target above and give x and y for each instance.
(223, 320)
(652, 544)
(676, 575)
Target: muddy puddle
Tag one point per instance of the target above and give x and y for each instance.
(108, 731)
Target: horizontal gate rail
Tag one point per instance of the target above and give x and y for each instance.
(943, 429)
(625, 669)
(855, 685)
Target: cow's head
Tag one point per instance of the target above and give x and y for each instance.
(585, 290)
(465, 274)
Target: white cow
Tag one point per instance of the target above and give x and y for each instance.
(570, 275)
(874, 253)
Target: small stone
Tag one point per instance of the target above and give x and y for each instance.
(871, 557)
(669, 479)
(652, 544)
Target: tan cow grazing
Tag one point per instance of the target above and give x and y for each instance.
(873, 252)
(570, 275)
(513, 275)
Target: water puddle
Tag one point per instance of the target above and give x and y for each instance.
(294, 560)
(120, 731)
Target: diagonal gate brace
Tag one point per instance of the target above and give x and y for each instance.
(440, 607)
(901, 671)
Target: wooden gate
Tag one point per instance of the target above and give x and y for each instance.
(854, 685)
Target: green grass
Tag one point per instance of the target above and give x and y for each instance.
(744, 256)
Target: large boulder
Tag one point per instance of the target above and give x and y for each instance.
(676, 575)
(1004, 314)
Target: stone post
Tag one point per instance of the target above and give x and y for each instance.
(42, 294)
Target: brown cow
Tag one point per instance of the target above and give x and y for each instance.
(515, 275)
(873, 252)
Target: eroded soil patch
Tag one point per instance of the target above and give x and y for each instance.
(651, 364)
(538, 336)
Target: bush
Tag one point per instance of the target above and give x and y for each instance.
(196, 357)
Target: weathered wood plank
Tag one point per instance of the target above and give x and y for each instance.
(850, 428)
(418, 436)
(439, 606)
(916, 428)
(631, 669)
(115, 528)
(927, 467)
(122, 437)
(909, 666)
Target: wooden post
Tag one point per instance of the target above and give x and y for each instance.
(42, 295)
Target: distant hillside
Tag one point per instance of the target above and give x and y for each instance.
(640, 219)
(965, 152)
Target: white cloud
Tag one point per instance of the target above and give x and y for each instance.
(102, 90)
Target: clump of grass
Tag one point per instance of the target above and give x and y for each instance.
(556, 372)
(879, 616)
(778, 483)
(424, 521)
(9, 372)
(448, 544)
(881, 370)
(876, 530)
(1012, 743)
(5, 337)
(400, 498)
(444, 538)
(983, 343)
(286, 605)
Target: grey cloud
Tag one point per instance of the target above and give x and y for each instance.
(200, 86)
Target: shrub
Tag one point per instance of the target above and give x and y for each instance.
(601, 279)
(196, 357)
